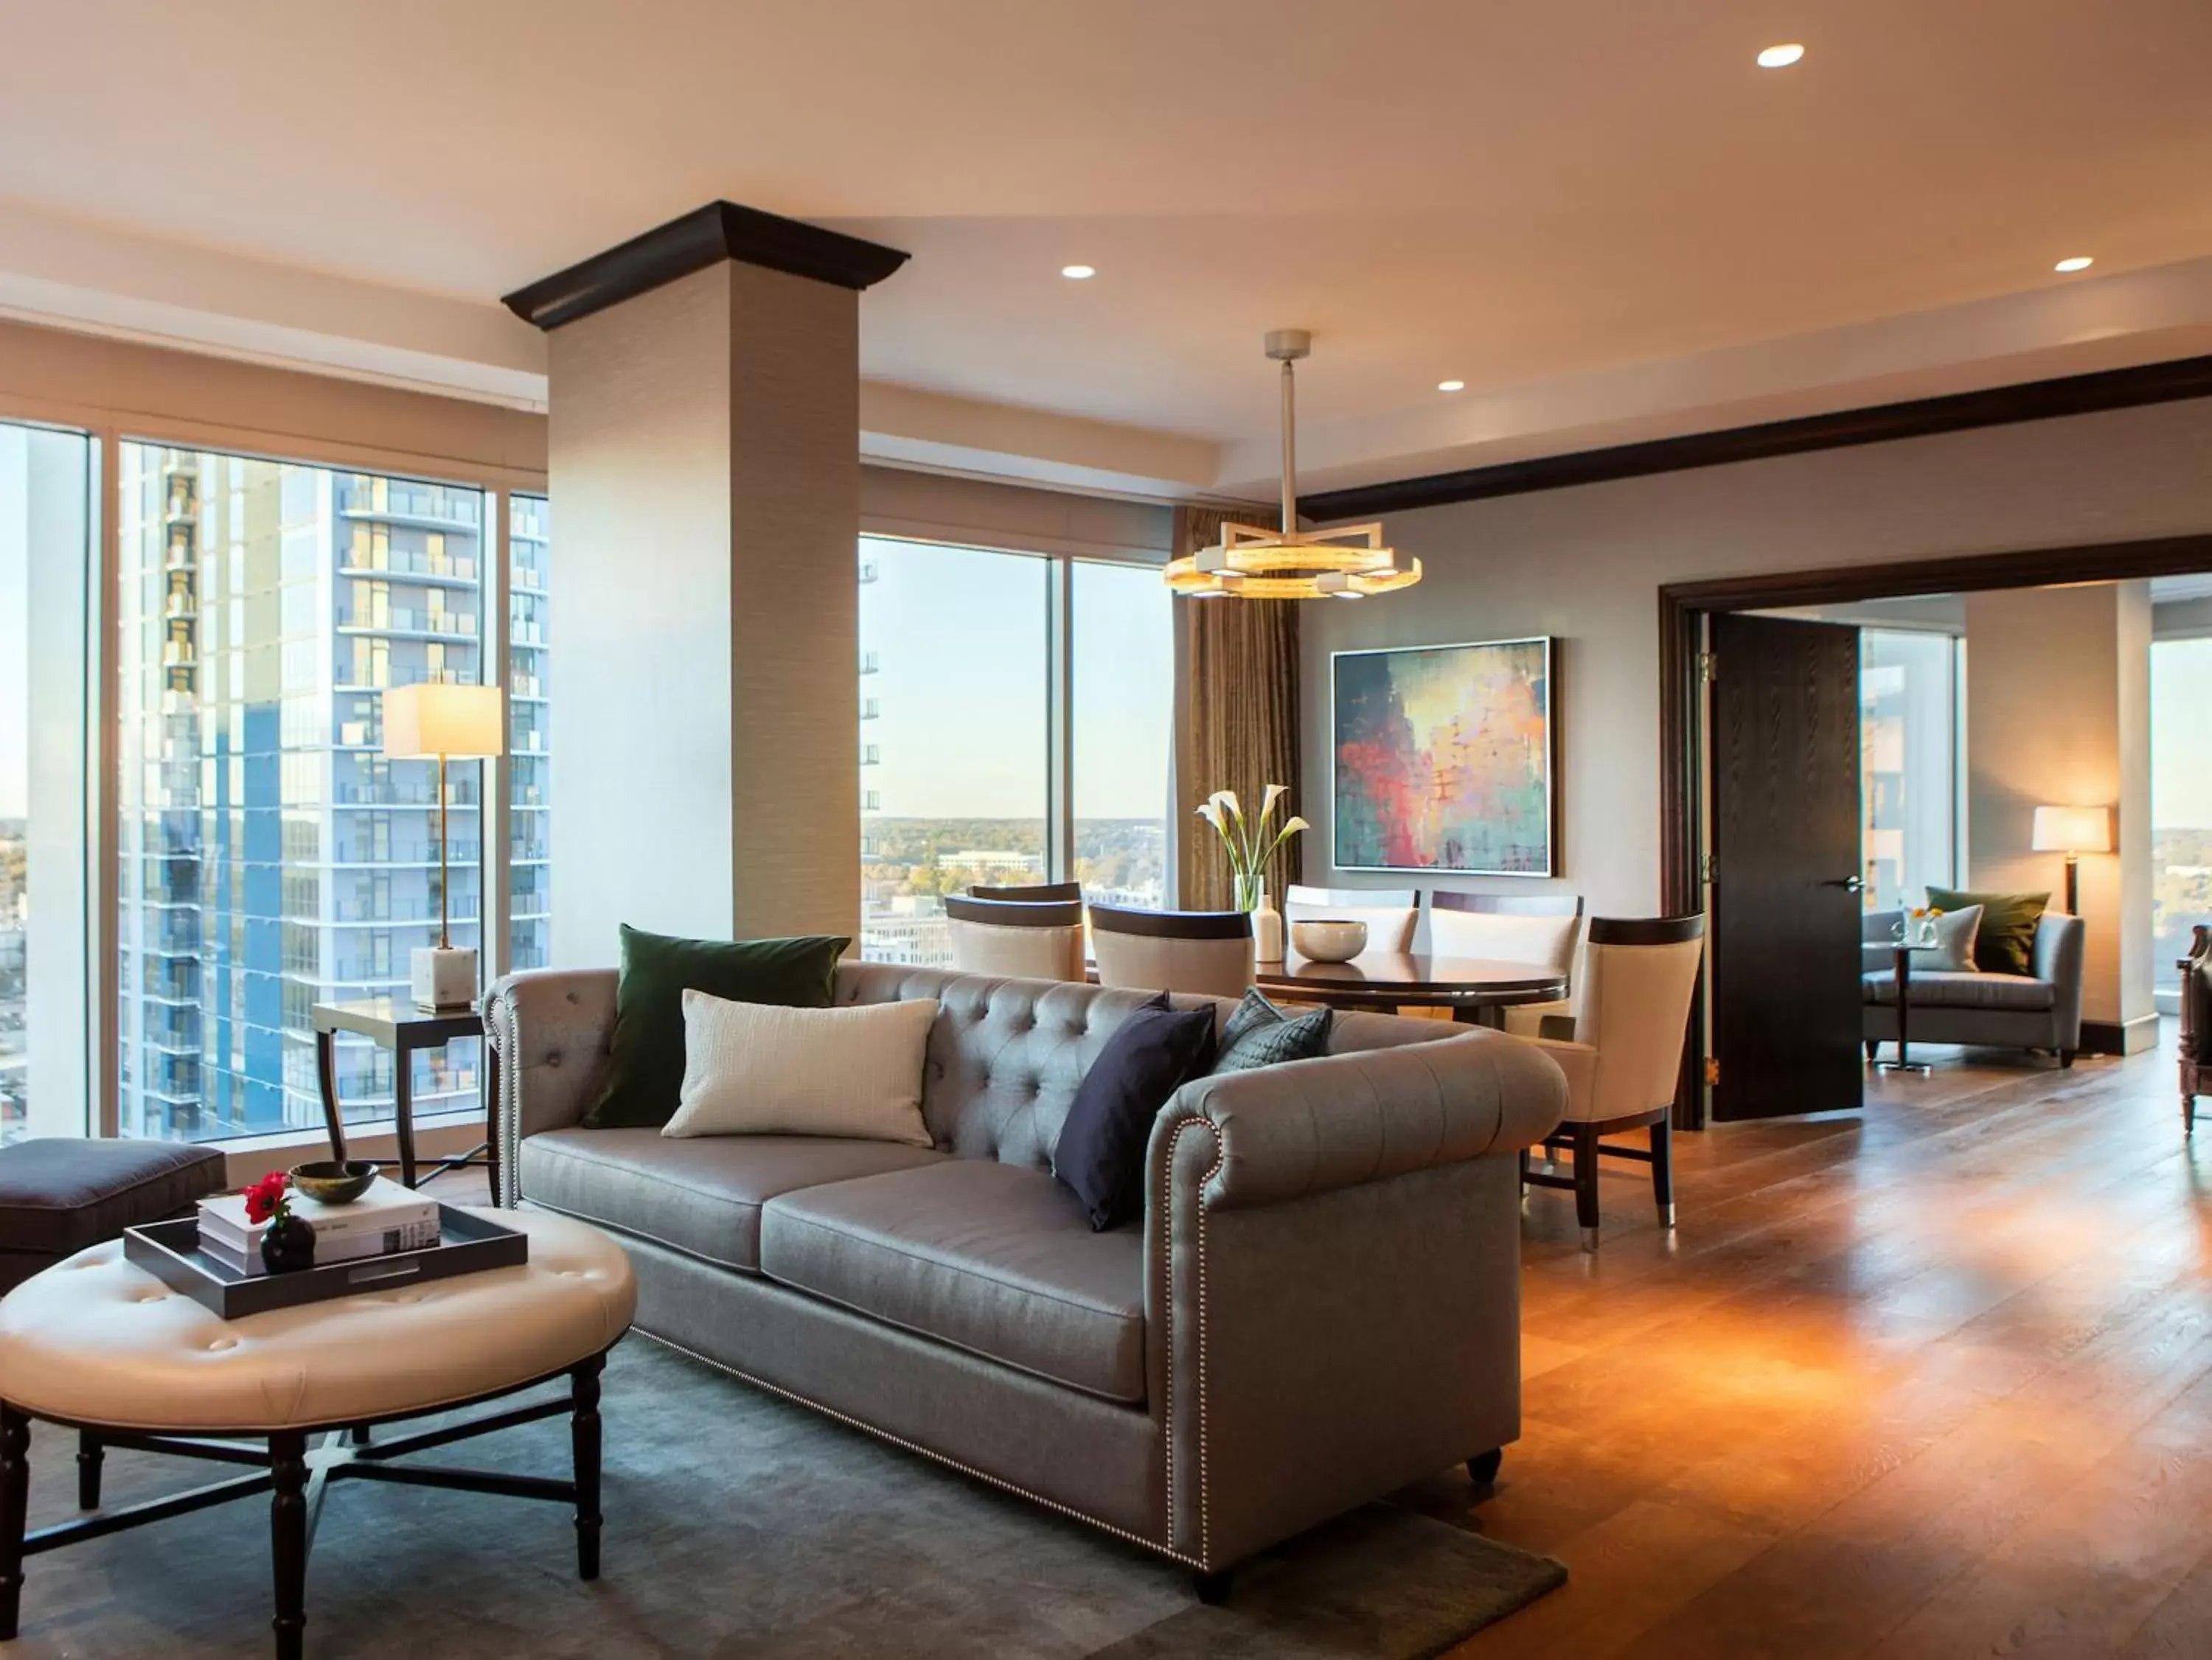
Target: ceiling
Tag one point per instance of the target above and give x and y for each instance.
(1601, 215)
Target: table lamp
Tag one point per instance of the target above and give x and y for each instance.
(2073, 831)
(443, 722)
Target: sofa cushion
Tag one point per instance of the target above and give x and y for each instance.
(645, 1063)
(758, 1070)
(702, 1197)
(991, 1257)
(1952, 990)
(1101, 1155)
(1257, 1033)
(2006, 943)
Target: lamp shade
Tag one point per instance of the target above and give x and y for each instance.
(423, 722)
(2073, 830)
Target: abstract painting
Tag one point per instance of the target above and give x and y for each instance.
(1443, 759)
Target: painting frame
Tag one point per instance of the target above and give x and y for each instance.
(1548, 645)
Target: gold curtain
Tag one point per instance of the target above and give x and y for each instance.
(1238, 726)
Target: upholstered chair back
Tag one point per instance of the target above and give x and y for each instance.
(1029, 892)
(1207, 954)
(1543, 928)
(1391, 913)
(1034, 940)
(1632, 1006)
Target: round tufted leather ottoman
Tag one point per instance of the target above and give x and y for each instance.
(99, 1345)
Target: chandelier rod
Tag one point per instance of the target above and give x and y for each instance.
(1289, 450)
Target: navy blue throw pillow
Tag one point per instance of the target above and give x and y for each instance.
(1101, 1155)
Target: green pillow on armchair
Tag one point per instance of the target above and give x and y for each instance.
(2006, 943)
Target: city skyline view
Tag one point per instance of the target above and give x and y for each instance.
(958, 689)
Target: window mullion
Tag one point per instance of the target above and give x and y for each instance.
(1060, 726)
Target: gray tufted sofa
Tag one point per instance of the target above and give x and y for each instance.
(1320, 1304)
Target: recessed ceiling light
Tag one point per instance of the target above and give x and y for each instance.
(1078, 273)
(2080, 261)
(1451, 385)
(1781, 57)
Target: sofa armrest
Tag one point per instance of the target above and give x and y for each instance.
(1332, 1279)
(1307, 1127)
(2059, 947)
(550, 1028)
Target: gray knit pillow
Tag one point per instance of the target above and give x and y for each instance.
(1261, 1034)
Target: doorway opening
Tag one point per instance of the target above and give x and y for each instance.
(1831, 772)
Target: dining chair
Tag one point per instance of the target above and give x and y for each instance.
(1027, 893)
(1028, 939)
(1391, 913)
(1622, 1053)
(1204, 953)
(1543, 928)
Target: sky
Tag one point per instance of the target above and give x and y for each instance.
(14, 609)
(962, 685)
(2181, 734)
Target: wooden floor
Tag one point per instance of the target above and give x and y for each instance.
(1930, 1380)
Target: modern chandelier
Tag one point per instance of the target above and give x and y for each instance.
(1249, 562)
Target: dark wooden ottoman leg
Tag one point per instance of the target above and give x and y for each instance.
(89, 1455)
(15, 1498)
(288, 1538)
(584, 1434)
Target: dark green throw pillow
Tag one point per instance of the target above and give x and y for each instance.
(2005, 944)
(646, 1075)
(1261, 1034)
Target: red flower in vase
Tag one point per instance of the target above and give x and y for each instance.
(266, 1200)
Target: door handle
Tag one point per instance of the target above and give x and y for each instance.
(1849, 884)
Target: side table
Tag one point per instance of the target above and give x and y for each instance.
(399, 1026)
(1904, 1063)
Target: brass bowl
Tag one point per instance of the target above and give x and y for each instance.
(328, 1182)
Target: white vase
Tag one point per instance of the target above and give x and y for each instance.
(1267, 929)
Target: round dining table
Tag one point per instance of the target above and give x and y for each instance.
(1474, 989)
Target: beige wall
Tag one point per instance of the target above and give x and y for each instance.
(1586, 565)
(2057, 713)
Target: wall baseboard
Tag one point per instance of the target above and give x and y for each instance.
(2119, 1037)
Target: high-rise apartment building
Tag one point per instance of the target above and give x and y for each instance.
(271, 859)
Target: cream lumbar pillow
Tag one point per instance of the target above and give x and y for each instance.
(762, 1070)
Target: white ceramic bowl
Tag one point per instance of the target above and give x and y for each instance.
(1323, 939)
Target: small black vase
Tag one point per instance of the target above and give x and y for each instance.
(290, 1244)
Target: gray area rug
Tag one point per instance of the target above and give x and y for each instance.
(736, 1524)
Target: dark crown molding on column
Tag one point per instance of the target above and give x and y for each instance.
(1996, 406)
(719, 231)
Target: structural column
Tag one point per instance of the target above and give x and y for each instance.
(704, 477)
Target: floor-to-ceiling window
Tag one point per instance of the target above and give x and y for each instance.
(1909, 708)
(2181, 800)
(46, 537)
(955, 735)
(1122, 701)
(269, 857)
(1014, 728)
(530, 731)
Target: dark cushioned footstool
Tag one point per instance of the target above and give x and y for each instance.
(58, 1195)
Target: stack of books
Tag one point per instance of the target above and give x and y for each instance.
(386, 1218)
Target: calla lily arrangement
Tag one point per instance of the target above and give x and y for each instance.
(1251, 843)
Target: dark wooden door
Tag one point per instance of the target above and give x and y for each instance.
(1785, 900)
